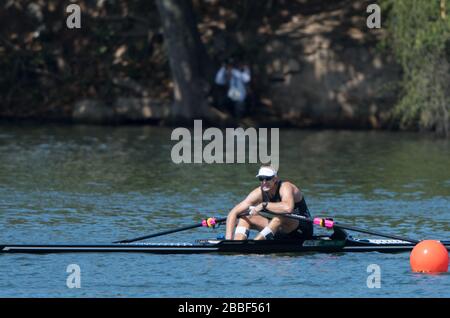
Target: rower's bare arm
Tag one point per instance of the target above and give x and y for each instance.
(287, 201)
(252, 199)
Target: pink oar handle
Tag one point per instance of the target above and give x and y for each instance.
(324, 223)
(209, 222)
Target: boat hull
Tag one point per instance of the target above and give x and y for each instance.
(316, 245)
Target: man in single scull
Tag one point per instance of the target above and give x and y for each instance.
(274, 195)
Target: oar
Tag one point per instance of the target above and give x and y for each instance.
(210, 222)
(329, 224)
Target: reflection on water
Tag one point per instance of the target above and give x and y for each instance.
(100, 184)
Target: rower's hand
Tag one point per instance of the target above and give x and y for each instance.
(254, 210)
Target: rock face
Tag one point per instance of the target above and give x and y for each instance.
(323, 89)
(140, 109)
(92, 111)
(324, 70)
(314, 63)
(122, 110)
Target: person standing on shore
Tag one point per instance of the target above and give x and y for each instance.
(235, 79)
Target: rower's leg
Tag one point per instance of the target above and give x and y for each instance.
(269, 231)
(278, 224)
(246, 223)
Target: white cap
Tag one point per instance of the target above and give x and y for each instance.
(266, 172)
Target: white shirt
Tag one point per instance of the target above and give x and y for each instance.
(236, 82)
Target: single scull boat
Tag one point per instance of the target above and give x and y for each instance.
(319, 244)
(339, 242)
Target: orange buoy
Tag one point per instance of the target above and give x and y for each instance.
(429, 257)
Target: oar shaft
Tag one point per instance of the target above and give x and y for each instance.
(140, 238)
(184, 228)
(331, 224)
(357, 229)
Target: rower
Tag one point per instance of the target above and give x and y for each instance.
(274, 195)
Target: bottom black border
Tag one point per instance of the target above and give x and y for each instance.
(225, 306)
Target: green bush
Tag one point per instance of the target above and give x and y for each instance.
(419, 35)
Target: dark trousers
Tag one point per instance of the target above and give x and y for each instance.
(236, 108)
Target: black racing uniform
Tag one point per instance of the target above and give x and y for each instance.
(304, 229)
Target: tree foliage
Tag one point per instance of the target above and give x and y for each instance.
(419, 34)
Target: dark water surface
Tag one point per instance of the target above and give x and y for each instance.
(84, 184)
